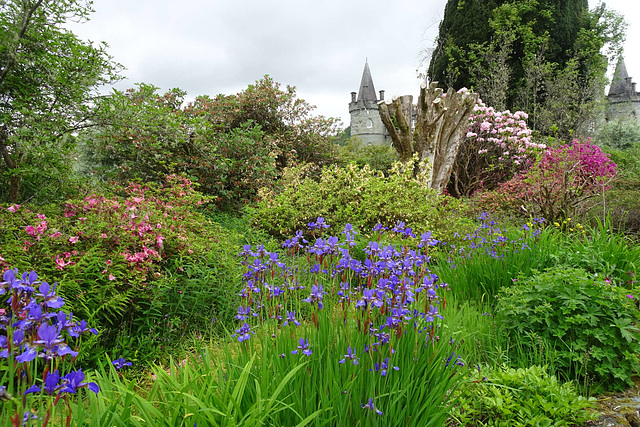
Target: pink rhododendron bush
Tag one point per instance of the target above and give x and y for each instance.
(557, 186)
(497, 146)
(116, 257)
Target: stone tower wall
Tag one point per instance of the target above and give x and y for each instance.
(619, 108)
(366, 123)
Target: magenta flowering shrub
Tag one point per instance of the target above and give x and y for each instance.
(557, 186)
(117, 256)
(497, 146)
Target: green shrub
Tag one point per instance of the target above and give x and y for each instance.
(591, 324)
(621, 133)
(359, 196)
(519, 397)
(622, 208)
(378, 157)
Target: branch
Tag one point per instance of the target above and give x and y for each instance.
(23, 28)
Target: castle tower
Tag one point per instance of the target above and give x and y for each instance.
(365, 119)
(623, 100)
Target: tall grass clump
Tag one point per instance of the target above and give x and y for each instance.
(491, 256)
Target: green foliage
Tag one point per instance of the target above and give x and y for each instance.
(378, 157)
(287, 121)
(539, 56)
(621, 134)
(622, 210)
(504, 396)
(359, 196)
(48, 78)
(591, 323)
(628, 166)
(146, 136)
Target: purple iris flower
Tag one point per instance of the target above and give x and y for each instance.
(316, 296)
(74, 380)
(304, 346)
(49, 336)
(370, 299)
(379, 228)
(50, 384)
(244, 332)
(371, 407)
(27, 355)
(120, 363)
(457, 360)
(291, 318)
(320, 223)
(433, 313)
(51, 300)
(81, 328)
(12, 280)
(243, 313)
(427, 240)
(351, 355)
(383, 368)
(4, 348)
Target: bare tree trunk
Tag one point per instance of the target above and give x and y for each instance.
(398, 124)
(441, 122)
(15, 180)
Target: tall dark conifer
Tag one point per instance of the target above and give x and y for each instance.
(467, 22)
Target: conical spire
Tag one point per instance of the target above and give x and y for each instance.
(367, 90)
(619, 81)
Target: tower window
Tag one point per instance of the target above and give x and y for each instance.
(369, 124)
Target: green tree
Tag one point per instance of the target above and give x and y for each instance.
(541, 56)
(144, 135)
(231, 145)
(47, 82)
(299, 135)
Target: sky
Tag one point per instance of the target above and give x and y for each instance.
(209, 47)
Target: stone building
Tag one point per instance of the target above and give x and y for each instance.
(622, 100)
(363, 109)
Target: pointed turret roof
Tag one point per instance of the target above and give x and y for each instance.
(367, 90)
(619, 81)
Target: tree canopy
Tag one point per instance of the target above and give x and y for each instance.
(541, 56)
(47, 82)
(231, 145)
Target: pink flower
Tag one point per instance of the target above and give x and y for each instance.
(630, 296)
(73, 239)
(13, 208)
(31, 231)
(104, 236)
(112, 277)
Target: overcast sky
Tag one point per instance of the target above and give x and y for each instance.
(212, 46)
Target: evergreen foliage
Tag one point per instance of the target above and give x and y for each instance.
(540, 56)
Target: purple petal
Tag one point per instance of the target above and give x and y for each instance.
(33, 389)
(27, 356)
